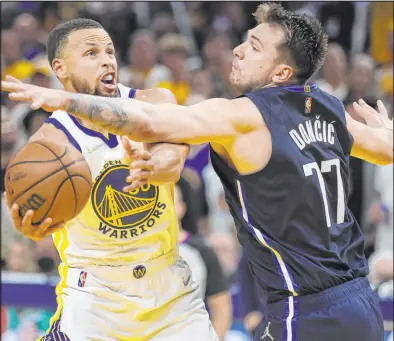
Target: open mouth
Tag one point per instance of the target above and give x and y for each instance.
(108, 80)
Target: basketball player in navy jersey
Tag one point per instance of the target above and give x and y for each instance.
(282, 153)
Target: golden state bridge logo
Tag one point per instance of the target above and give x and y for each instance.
(124, 215)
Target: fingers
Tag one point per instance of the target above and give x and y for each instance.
(367, 107)
(12, 86)
(16, 217)
(142, 165)
(9, 78)
(21, 96)
(133, 151)
(26, 225)
(382, 108)
(127, 145)
(37, 104)
(362, 111)
(134, 185)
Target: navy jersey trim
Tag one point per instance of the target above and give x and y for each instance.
(132, 93)
(58, 125)
(289, 283)
(111, 141)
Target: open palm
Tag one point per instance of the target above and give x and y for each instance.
(39, 97)
(373, 118)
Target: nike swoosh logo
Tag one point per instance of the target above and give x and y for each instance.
(317, 116)
(92, 150)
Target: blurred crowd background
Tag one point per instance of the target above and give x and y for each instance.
(187, 48)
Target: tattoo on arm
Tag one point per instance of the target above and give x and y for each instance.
(103, 112)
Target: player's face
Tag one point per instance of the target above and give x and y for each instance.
(90, 64)
(257, 61)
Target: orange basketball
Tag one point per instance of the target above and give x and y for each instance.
(50, 178)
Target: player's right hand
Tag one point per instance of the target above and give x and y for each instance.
(24, 225)
(48, 99)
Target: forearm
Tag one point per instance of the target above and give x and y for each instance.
(126, 117)
(221, 313)
(376, 146)
(165, 122)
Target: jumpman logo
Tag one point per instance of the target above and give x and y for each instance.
(267, 332)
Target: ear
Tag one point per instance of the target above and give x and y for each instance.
(283, 74)
(60, 69)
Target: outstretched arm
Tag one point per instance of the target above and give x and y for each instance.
(373, 141)
(208, 121)
(213, 120)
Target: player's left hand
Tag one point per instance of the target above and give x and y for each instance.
(48, 99)
(373, 118)
(141, 165)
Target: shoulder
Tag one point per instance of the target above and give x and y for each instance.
(157, 95)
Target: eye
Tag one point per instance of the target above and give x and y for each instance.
(254, 48)
(111, 52)
(91, 53)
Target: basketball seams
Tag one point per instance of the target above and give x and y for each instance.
(57, 192)
(68, 175)
(53, 200)
(45, 178)
(33, 161)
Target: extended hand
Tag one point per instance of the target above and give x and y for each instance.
(39, 97)
(373, 118)
(24, 225)
(141, 165)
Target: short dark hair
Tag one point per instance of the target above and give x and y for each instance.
(60, 33)
(305, 39)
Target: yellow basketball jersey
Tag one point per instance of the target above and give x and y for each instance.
(114, 227)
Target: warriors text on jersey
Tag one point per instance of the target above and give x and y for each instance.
(115, 227)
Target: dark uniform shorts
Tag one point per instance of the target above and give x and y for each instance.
(347, 312)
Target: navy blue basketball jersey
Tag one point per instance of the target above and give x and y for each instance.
(292, 217)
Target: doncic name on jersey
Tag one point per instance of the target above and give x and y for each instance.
(121, 214)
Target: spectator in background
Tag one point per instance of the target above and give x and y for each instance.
(163, 23)
(335, 72)
(227, 248)
(215, 47)
(46, 257)
(386, 73)
(251, 298)
(30, 33)
(33, 120)
(174, 52)
(14, 63)
(9, 137)
(361, 85)
(362, 82)
(201, 84)
(142, 70)
(206, 272)
(19, 257)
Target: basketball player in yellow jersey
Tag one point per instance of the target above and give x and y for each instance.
(121, 278)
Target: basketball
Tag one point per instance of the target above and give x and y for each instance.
(50, 178)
